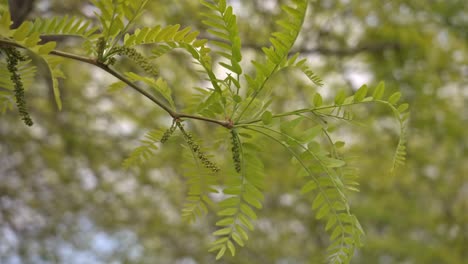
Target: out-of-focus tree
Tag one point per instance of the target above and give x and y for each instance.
(64, 197)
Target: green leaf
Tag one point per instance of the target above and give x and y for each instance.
(237, 98)
(226, 221)
(339, 144)
(318, 101)
(230, 202)
(393, 99)
(46, 48)
(336, 232)
(242, 232)
(223, 231)
(236, 237)
(309, 186)
(221, 252)
(360, 93)
(379, 91)
(21, 33)
(219, 243)
(5, 22)
(288, 126)
(249, 198)
(340, 97)
(116, 86)
(403, 107)
(246, 222)
(332, 163)
(330, 222)
(267, 117)
(248, 211)
(318, 201)
(311, 133)
(227, 212)
(324, 210)
(231, 247)
(53, 63)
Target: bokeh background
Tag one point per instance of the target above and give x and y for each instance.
(65, 198)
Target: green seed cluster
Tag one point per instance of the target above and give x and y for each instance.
(168, 133)
(134, 55)
(196, 149)
(235, 150)
(13, 56)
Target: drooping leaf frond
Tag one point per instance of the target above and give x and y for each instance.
(244, 193)
(302, 65)
(223, 25)
(277, 54)
(200, 182)
(153, 35)
(399, 156)
(146, 150)
(330, 202)
(401, 114)
(169, 38)
(159, 86)
(65, 26)
(53, 63)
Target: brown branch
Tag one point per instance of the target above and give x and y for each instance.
(376, 47)
(105, 67)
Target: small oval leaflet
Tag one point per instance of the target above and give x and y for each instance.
(318, 101)
(267, 117)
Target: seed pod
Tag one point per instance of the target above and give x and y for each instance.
(135, 56)
(197, 150)
(235, 150)
(168, 133)
(13, 57)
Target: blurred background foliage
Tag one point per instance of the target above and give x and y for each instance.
(64, 197)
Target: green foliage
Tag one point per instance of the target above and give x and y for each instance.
(64, 26)
(223, 25)
(244, 191)
(239, 103)
(200, 182)
(323, 171)
(159, 86)
(116, 16)
(148, 147)
(276, 55)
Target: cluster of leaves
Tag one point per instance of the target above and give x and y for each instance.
(239, 102)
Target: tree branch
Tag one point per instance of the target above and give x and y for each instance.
(105, 67)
